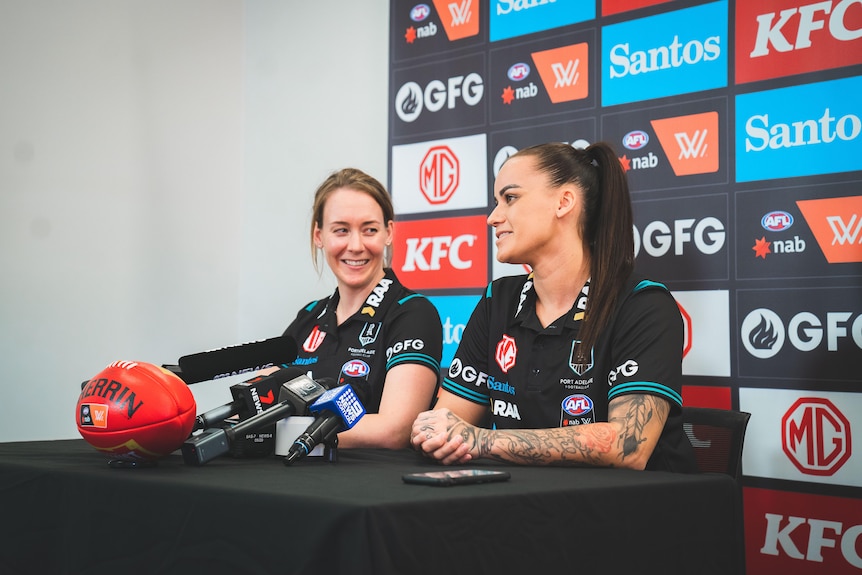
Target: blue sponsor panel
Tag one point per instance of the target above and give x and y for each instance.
(510, 18)
(454, 312)
(799, 131)
(664, 55)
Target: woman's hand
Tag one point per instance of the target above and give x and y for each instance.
(445, 437)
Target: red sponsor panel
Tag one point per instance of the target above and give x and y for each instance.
(446, 253)
(802, 533)
(706, 396)
(616, 6)
(787, 37)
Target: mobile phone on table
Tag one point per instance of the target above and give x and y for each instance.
(450, 477)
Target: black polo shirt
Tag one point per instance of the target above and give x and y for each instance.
(394, 326)
(528, 376)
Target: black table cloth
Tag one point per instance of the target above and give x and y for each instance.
(65, 511)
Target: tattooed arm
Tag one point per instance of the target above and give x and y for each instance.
(626, 440)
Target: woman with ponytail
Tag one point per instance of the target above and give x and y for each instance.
(578, 362)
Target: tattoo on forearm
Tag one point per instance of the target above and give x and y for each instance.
(593, 444)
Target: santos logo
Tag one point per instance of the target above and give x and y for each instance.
(667, 54)
(411, 98)
(658, 237)
(799, 131)
(763, 333)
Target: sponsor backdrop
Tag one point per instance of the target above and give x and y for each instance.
(739, 124)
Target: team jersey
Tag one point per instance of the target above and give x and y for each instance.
(394, 326)
(529, 375)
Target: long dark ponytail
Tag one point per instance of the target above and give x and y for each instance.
(606, 224)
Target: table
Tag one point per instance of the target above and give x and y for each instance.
(65, 511)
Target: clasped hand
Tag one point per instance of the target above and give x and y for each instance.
(443, 436)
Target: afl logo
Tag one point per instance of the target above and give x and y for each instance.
(355, 368)
(518, 72)
(577, 404)
(776, 221)
(420, 12)
(635, 140)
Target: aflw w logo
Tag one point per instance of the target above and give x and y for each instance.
(690, 142)
(566, 75)
(560, 70)
(464, 18)
(837, 226)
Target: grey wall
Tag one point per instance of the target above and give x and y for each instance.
(157, 160)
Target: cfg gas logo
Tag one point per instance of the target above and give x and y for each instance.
(764, 333)
(442, 253)
(787, 37)
(799, 131)
(667, 54)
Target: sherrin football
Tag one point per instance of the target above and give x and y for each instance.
(135, 411)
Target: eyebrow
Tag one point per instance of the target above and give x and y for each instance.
(505, 189)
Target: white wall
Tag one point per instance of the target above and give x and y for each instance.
(157, 160)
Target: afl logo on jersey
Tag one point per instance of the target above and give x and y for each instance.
(578, 404)
(355, 368)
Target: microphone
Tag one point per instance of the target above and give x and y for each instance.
(296, 393)
(250, 397)
(339, 409)
(235, 359)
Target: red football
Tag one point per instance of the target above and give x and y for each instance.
(135, 411)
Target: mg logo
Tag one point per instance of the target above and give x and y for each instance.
(506, 353)
(815, 436)
(439, 174)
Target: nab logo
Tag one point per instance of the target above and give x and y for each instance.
(690, 142)
(794, 245)
(837, 226)
(439, 174)
(815, 436)
(355, 368)
(564, 72)
(506, 353)
(94, 415)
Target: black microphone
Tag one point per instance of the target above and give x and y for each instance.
(339, 410)
(235, 359)
(250, 397)
(296, 393)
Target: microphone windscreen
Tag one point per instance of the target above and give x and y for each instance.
(237, 359)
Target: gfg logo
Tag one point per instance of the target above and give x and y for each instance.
(658, 237)
(411, 98)
(763, 332)
(467, 373)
